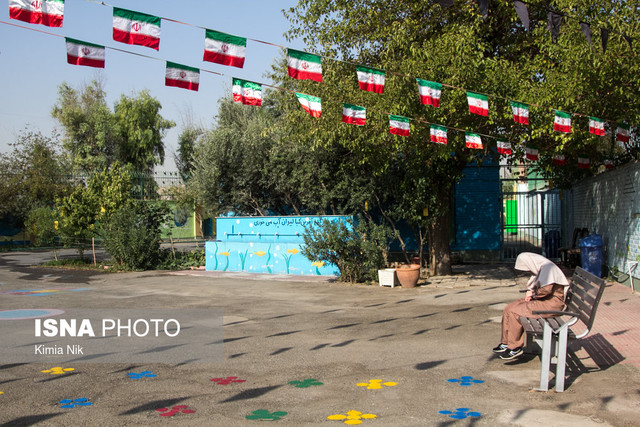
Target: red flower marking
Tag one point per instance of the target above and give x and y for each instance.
(166, 412)
(227, 381)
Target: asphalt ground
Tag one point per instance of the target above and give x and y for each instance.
(311, 351)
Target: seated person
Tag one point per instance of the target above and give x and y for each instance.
(546, 290)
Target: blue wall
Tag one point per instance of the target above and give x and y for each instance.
(478, 209)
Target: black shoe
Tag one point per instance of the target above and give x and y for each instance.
(511, 354)
(500, 349)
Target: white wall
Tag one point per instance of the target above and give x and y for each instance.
(608, 204)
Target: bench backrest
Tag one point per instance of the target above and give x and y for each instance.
(584, 296)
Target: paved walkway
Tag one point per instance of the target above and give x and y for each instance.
(399, 354)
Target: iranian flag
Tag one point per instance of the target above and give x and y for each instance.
(438, 134)
(178, 75)
(473, 140)
(504, 148)
(623, 133)
(520, 112)
(608, 163)
(584, 162)
(354, 114)
(562, 122)
(531, 153)
(136, 28)
(248, 93)
(478, 103)
(304, 66)
(310, 104)
(399, 125)
(224, 48)
(83, 53)
(45, 12)
(370, 79)
(596, 126)
(559, 160)
(429, 92)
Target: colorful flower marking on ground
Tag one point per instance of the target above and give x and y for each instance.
(57, 370)
(263, 414)
(143, 374)
(461, 413)
(72, 403)
(42, 292)
(305, 383)
(227, 381)
(376, 384)
(465, 381)
(166, 412)
(352, 417)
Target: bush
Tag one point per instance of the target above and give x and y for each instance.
(358, 250)
(180, 260)
(41, 225)
(132, 235)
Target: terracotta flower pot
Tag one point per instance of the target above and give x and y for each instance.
(408, 275)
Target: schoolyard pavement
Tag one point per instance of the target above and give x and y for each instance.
(304, 351)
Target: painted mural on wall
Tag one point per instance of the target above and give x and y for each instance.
(269, 245)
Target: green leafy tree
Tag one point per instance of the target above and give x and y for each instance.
(458, 47)
(32, 175)
(96, 137)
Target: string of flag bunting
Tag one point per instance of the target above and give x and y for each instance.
(142, 29)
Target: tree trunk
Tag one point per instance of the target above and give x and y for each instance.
(439, 232)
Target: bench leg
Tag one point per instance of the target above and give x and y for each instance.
(562, 359)
(546, 357)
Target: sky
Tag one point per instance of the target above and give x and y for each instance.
(34, 64)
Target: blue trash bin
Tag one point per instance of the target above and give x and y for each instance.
(591, 254)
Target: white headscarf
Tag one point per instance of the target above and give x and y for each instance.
(545, 272)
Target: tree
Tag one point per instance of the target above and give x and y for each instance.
(96, 137)
(458, 47)
(33, 174)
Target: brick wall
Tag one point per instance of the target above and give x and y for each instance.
(608, 204)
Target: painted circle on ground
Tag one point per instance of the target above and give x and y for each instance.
(29, 313)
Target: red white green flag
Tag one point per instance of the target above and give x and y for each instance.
(429, 92)
(310, 104)
(531, 153)
(623, 132)
(608, 163)
(246, 92)
(44, 12)
(504, 148)
(584, 162)
(136, 28)
(179, 75)
(438, 134)
(559, 160)
(370, 79)
(520, 112)
(596, 126)
(399, 125)
(473, 140)
(304, 66)
(562, 122)
(83, 53)
(354, 114)
(478, 103)
(224, 48)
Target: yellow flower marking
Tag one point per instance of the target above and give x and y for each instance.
(352, 417)
(376, 384)
(292, 251)
(260, 253)
(225, 253)
(57, 370)
(318, 263)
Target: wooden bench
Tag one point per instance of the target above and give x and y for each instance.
(553, 333)
(570, 256)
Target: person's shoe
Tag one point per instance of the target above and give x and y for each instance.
(500, 349)
(511, 354)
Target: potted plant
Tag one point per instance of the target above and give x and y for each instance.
(408, 275)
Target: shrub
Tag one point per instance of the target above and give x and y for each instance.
(132, 235)
(358, 250)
